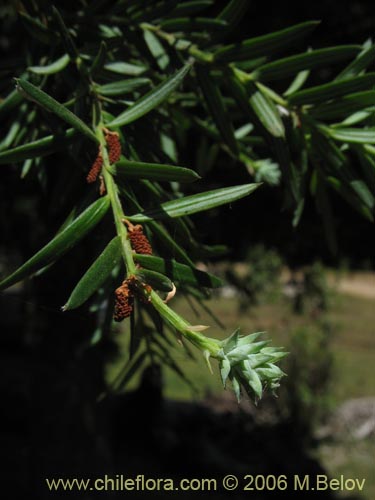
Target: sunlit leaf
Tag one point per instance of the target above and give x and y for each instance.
(352, 135)
(151, 100)
(196, 203)
(52, 68)
(153, 171)
(122, 86)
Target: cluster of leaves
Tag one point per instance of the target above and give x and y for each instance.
(153, 72)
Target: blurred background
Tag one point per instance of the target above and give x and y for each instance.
(178, 420)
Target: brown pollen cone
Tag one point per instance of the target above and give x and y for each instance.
(96, 168)
(139, 241)
(113, 146)
(124, 302)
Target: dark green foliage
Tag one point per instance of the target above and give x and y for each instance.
(134, 83)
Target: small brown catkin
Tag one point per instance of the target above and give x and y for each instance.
(139, 241)
(96, 168)
(124, 302)
(114, 147)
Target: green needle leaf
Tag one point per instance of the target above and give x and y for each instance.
(96, 275)
(153, 171)
(155, 279)
(38, 148)
(327, 91)
(122, 86)
(360, 63)
(151, 100)
(266, 111)
(46, 101)
(123, 68)
(352, 135)
(266, 44)
(61, 243)
(313, 59)
(342, 108)
(52, 68)
(195, 203)
(177, 272)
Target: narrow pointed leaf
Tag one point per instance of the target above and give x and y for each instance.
(157, 49)
(216, 106)
(225, 368)
(123, 68)
(61, 243)
(38, 148)
(360, 63)
(288, 66)
(96, 275)
(122, 86)
(327, 91)
(297, 83)
(52, 68)
(46, 101)
(254, 382)
(266, 111)
(154, 171)
(265, 44)
(177, 272)
(342, 108)
(151, 100)
(353, 135)
(196, 203)
(155, 279)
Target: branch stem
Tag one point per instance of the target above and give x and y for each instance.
(117, 210)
